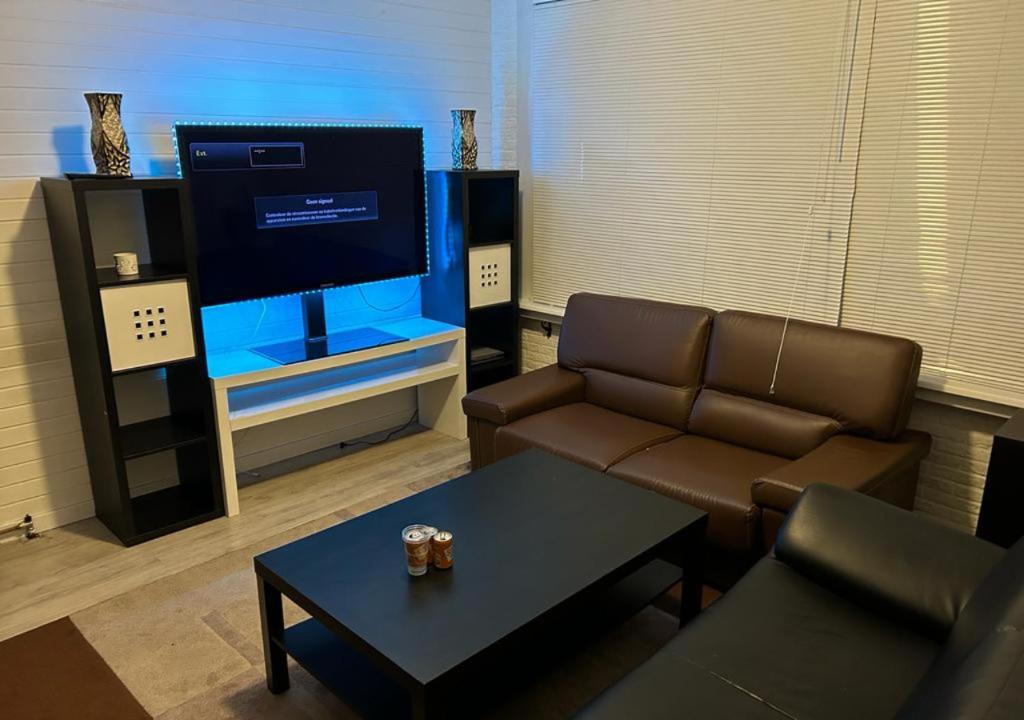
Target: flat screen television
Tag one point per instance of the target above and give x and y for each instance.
(289, 208)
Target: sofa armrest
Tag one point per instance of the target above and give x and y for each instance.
(849, 462)
(902, 564)
(523, 395)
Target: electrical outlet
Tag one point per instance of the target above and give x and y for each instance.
(490, 275)
(147, 323)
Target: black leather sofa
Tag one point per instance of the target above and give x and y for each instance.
(861, 611)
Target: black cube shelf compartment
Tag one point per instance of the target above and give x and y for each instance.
(156, 512)
(159, 434)
(491, 346)
(171, 420)
(492, 208)
(149, 422)
(474, 266)
(108, 277)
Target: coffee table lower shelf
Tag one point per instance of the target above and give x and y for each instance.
(346, 672)
(374, 694)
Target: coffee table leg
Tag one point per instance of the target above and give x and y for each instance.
(693, 589)
(272, 622)
(422, 707)
(693, 580)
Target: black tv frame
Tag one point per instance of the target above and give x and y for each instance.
(316, 342)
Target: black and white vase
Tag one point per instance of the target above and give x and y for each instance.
(109, 142)
(464, 147)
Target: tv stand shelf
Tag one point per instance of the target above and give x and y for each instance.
(250, 389)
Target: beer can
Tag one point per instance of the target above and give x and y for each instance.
(417, 549)
(442, 549)
(431, 531)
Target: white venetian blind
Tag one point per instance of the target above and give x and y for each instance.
(936, 251)
(677, 146)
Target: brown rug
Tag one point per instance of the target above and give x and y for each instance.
(53, 673)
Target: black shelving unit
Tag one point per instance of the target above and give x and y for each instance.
(999, 519)
(183, 427)
(474, 209)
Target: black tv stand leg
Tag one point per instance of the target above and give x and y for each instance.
(272, 623)
(314, 317)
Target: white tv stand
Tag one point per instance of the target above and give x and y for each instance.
(249, 389)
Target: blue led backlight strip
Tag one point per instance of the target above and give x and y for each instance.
(423, 151)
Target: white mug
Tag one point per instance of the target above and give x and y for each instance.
(126, 263)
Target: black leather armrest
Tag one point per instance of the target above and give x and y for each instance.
(898, 563)
(523, 395)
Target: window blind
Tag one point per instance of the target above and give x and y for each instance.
(700, 152)
(936, 251)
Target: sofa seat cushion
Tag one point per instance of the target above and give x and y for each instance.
(581, 432)
(789, 644)
(709, 474)
(676, 691)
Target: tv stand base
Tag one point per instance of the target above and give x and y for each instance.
(251, 389)
(294, 351)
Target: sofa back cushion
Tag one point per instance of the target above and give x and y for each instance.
(640, 357)
(863, 381)
(759, 425)
(979, 673)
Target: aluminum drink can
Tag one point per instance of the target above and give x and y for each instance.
(431, 531)
(443, 550)
(417, 549)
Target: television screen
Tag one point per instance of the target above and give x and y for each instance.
(282, 209)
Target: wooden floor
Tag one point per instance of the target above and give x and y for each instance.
(80, 565)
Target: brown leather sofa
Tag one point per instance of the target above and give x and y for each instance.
(680, 400)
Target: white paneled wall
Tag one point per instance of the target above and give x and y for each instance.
(402, 61)
(42, 461)
(505, 82)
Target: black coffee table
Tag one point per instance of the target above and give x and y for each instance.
(539, 543)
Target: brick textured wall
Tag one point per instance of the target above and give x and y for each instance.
(952, 476)
(504, 82)
(538, 350)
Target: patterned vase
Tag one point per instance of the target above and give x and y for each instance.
(463, 140)
(109, 142)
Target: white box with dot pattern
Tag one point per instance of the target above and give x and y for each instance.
(147, 324)
(490, 279)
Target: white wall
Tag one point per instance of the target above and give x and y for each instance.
(405, 61)
(504, 82)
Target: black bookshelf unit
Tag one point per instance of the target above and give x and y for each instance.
(474, 266)
(999, 519)
(126, 431)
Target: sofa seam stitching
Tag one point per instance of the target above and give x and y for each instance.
(736, 686)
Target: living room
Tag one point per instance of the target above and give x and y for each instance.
(511, 358)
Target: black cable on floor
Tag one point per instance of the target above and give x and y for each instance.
(391, 434)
